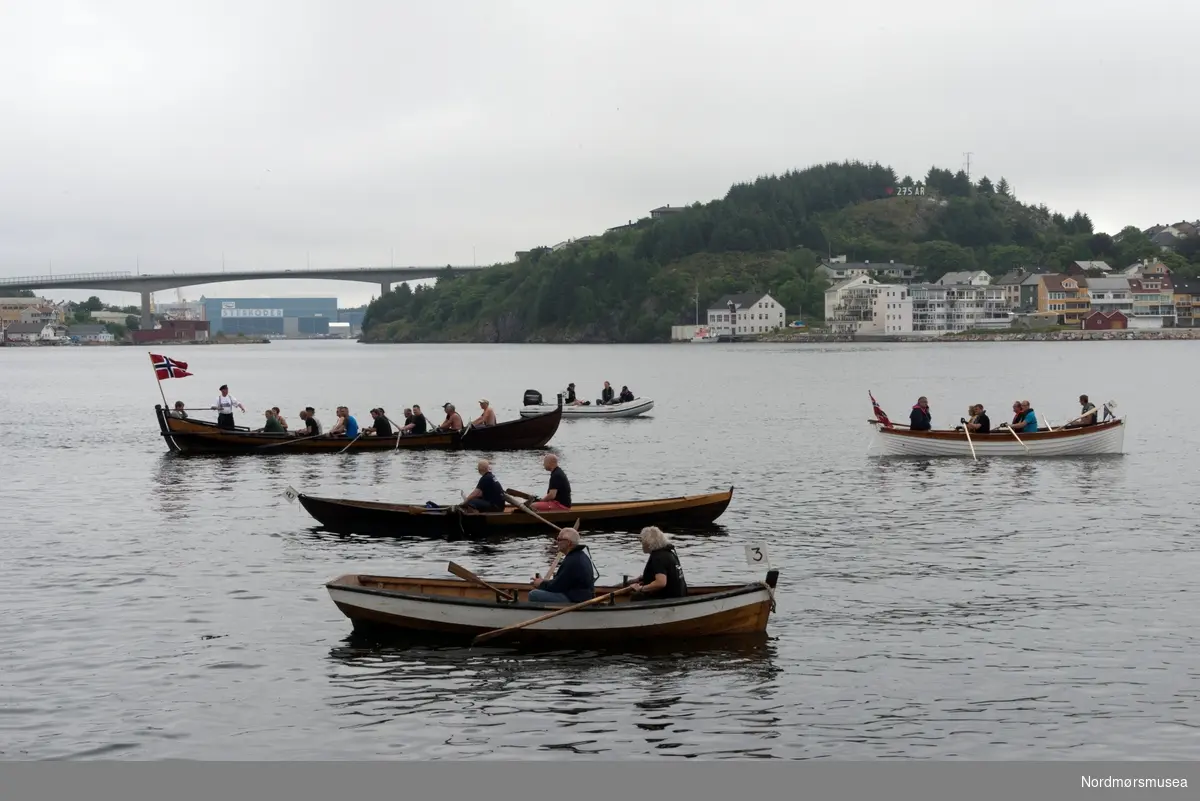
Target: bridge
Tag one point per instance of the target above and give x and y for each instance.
(146, 284)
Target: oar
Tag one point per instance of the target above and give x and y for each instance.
(487, 635)
(1014, 433)
(514, 502)
(351, 442)
(467, 575)
(967, 431)
(289, 441)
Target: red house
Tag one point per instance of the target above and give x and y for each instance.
(174, 331)
(1105, 321)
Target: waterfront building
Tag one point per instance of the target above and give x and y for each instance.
(280, 317)
(748, 313)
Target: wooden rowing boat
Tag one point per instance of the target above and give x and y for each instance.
(190, 436)
(395, 519)
(408, 605)
(1102, 438)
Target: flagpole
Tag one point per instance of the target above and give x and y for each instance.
(158, 381)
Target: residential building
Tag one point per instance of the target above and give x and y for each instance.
(90, 333)
(864, 306)
(747, 313)
(1066, 295)
(1153, 302)
(1146, 267)
(665, 211)
(940, 309)
(113, 317)
(838, 269)
(12, 309)
(1105, 321)
(43, 313)
(1031, 288)
(34, 332)
(1110, 294)
(973, 278)
(1011, 283)
(1187, 302)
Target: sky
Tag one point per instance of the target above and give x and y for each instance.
(160, 137)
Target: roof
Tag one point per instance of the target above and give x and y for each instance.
(1107, 284)
(26, 328)
(741, 301)
(1033, 279)
(84, 330)
(1187, 286)
(845, 282)
(1054, 283)
(962, 276)
(1139, 284)
(25, 301)
(1103, 266)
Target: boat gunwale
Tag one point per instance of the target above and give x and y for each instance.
(694, 502)
(998, 434)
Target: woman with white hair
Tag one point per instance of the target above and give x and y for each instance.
(663, 576)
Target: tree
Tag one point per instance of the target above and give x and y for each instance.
(92, 304)
(985, 186)
(133, 323)
(1003, 188)
(15, 293)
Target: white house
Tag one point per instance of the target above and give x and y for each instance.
(861, 305)
(940, 309)
(972, 278)
(34, 332)
(90, 333)
(747, 313)
(1110, 294)
(838, 269)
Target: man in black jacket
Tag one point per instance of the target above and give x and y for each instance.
(575, 580)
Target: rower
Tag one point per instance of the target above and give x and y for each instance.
(663, 576)
(417, 424)
(453, 421)
(919, 418)
(272, 423)
(279, 417)
(626, 395)
(606, 394)
(488, 495)
(382, 426)
(1028, 424)
(1088, 415)
(312, 426)
(488, 417)
(558, 494)
(346, 424)
(224, 408)
(979, 423)
(575, 580)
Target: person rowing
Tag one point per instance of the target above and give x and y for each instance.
(558, 494)
(1028, 422)
(382, 426)
(1087, 416)
(488, 495)
(978, 423)
(415, 423)
(453, 421)
(487, 417)
(575, 580)
(663, 576)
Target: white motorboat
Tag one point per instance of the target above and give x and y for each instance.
(634, 408)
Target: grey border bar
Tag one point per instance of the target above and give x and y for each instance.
(580, 781)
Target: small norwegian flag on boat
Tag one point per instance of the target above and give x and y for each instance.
(168, 368)
(879, 414)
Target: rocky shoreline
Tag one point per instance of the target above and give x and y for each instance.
(999, 336)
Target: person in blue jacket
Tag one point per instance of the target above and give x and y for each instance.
(575, 580)
(1029, 421)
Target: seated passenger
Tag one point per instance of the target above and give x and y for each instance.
(663, 576)
(558, 493)
(488, 495)
(919, 418)
(1028, 423)
(606, 394)
(272, 424)
(488, 417)
(575, 580)
(626, 395)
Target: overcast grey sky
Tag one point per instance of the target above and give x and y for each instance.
(286, 133)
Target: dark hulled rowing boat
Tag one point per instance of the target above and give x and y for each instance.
(394, 519)
(187, 436)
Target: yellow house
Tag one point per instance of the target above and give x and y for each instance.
(1065, 295)
(1187, 302)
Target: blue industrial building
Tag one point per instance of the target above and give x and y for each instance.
(283, 317)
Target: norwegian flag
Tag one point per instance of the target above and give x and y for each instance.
(879, 414)
(168, 368)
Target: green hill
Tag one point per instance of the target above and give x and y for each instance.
(767, 235)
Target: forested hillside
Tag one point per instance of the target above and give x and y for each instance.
(768, 235)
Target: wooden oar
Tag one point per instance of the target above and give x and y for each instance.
(288, 441)
(351, 442)
(487, 635)
(514, 502)
(967, 431)
(1014, 433)
(467, 575)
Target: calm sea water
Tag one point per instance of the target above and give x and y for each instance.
(158, 607)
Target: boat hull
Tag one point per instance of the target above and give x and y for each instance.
(634, 408)
(1105, 438)
(401, 520)
(188, 436)
(454, 608)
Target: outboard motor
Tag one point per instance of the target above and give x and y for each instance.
(533, 397)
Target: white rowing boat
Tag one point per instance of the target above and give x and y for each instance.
(633, 408)
(1102, 438)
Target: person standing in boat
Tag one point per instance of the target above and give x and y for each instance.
(575, 580)
(224, 408)
(663, 576)
(487, 417)
(488, 495)
(558, 494)
(919, 418)
(606, 394)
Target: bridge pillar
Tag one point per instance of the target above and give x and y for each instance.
(385, 287)
(147, 323)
